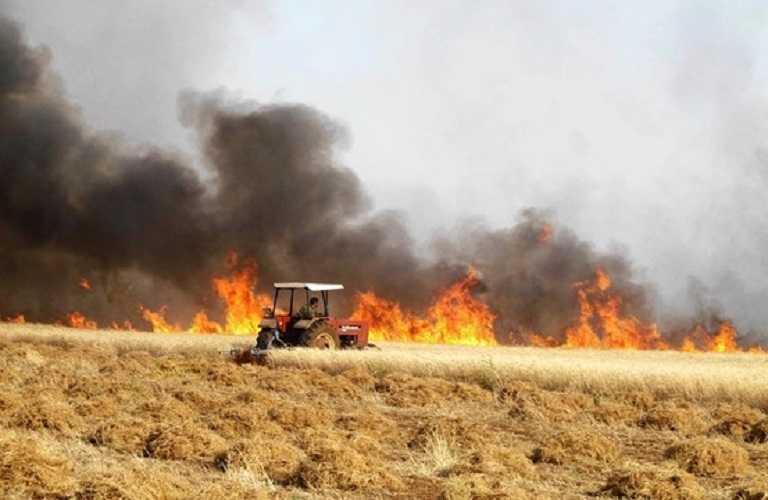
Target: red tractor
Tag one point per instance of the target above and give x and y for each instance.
(286, 324)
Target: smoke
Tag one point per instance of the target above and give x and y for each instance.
(531, 270)
(70, 202)
(143, 226)
(76, 205)
(282, 197)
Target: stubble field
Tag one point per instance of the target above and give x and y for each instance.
(104, 414)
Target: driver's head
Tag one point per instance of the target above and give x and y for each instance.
(313, 301)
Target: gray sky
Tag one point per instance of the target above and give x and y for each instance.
(642, 125)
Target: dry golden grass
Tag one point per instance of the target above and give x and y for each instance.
(711, 457)
(637, 481)
(103, 414)
(577, 445)
(732, 377)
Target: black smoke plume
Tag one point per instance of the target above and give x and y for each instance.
(531, 270)
(145, 229)
(143, 226)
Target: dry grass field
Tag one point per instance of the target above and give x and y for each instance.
(105, 414)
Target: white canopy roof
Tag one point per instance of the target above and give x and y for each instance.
(315, 287)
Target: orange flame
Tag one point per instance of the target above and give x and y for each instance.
(78, 320)
(603, 324)
(243, 306)
(724, 340)
(126, 325)
(385, 319)
(158, 321)
(19, 319)
(546, 233)
(84, 284)
(201, 324)
(721, 340)
(456, 317)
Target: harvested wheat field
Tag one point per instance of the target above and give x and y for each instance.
(105, 414)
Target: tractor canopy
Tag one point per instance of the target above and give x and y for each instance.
(313, 287)
(290, 301)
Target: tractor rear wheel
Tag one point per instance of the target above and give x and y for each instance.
(264, 339)
(322, 336)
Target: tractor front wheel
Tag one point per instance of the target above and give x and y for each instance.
(322, 336)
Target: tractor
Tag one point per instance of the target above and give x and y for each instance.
(285, 324)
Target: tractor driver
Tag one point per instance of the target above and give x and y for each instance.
(309, 311)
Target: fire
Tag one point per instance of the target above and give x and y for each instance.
(126, 325)
(546, 233)
(721, 340)
(603, 324)
(19, 319)
(386, 320)
(201, 324)
(455, 317)
(78, 320)
(158, 321)
(243, 307)
(724, 340)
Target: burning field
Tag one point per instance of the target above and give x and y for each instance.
(456, 316)
(109, 414)
(96, 233)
